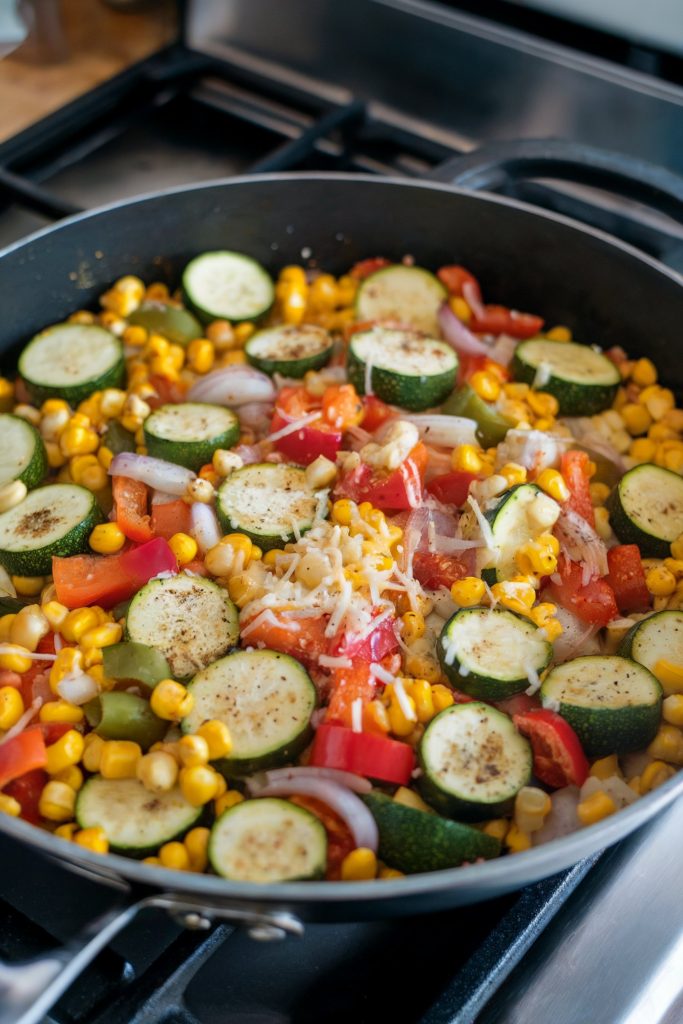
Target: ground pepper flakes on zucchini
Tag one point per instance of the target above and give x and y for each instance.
(260, 621)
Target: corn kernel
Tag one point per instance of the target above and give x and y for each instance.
(226, 801)
(412, 626)
(606, 767)
(532, 806)
(552, 482)
(217, 737)
(421, 692)
(516, 840)
(644, 373)
(15, 659)
(196, 843)
(157, 771)
(107, 538)
(183, 547)
(67, 751)
(643, 450)
(9, 806)
(660, 581)
(513, 473)
(171, 701)
(468, 592)
(636, 418)
(359, 866)
(442, 697)
(12, 494)
(497, 828)
(6, 395)
(344, 511)
(175, 856)
(465, 458)
(655, 774)
(485, 385)
(57, 802)
(559, 333)
(105, 635)
(29, 627)
(93, 745)
(198, 784)
(93, 839)
(11, 706)
(667, 745)
(595, 807)
(61, 711)
(119, 759)
(200, 355)
(193, 750)
(28, 586)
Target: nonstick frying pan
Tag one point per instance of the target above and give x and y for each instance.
(607, 292)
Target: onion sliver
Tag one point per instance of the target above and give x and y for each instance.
(156, 473)
(78, 688)
(233, 386)
(205, 528)
(348, 779)
(447, 431)
(458, 336)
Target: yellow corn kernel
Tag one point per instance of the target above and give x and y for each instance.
(243, 589)
(516, 840)
(157, 771)
(201, 355)
(400, 723)
(421, 692)
(660, 404)
(196, 843)
(10, 806)
(93, 839)
(217, 737)
(6, 395)
(15, 658)
(171, 701)
(226, 801)
(461, 308)
(655, 774)
(673, 460)
(12, 494)
(175, 856)
(78, 441)
(532, 806)
(672, 709)
(667, 745)
(66, 751)
(386, 872)
(559, 333)
(535, 557)
(78, 622)
(29, 627)
(198, 784)
(183, 547)
(465, 458)
(599, 493)
(552, 482)
(514, 596)
(442, 697)
(606, 767)
(93, 745)
(595, 807)
(55, 613)
(61, 711)
(119, 759)
(359, 866)
(176, 356)
(28, 586)
(468, 592)
(27, 412)
(643, 450)
(637, 419)
(485, 385)
(106, 635)
(199, 490)
(135, 336)
(660, 581)
(11, 706)
(602, 523)
(413, 626)
(543, 404)
(193, 750)
(496, 827)
(57, 802)
(66, 831)
(375, 718)
(513, 473)
(644, 373)
(107, 538)
(344, 511)
(55, 459)
(71, 776)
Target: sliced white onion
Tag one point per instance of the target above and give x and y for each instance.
(348, 779)
(533, 449)
(78, 688)
(163, 497)
(249, 453)
(563, 818)
(577, 638)
(579, 541)
(448, 431)
(205, 528)
(255, 415)
(339, 798)
(156, 473)
(6, 585)
(233, 386)
(503, 349)
(458, 336)
(470, 293)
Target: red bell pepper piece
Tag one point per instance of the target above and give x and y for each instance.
(379, 643)
(501, 320)
(26, 790)
(451, 488)
(171, 517)
(363, 753)
(130, 508)
(167, 391)
(359, 271)
(348, 686)
(433, 570)
(469, 365)
(518, 704)
(592, 602)
(340, 840)
(53, 731)
(375, 413)
(627, 578)
(574, 469)
(453, 277)
(559, 759)
(107, 579)
(306, 639)
(400, 489)
(21, 754)
(308, 442)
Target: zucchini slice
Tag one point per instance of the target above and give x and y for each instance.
(473, 761)
(22, 452)
(265, 698)
(289, 349)
(612, 703)
(70, 361)
(190, 432)
(135, 821)
(270, 502)
(191, 620)
(227, 285)
(413, 841)
(646, 508)
(405, 367)
(521, 514)
(53, 520)
(409, 295)
(582, 380)
(176, 324)
(659, 637)
(491, 653)
(268, 840)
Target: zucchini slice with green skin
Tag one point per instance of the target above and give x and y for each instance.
(22, 452)
(188, 433)
(646, 508)
(405, 367)
(490, 653)
(191, 620)
(414, 841)
(289, 349)
(270, 502)
(176, 324)
(135, 821)
(582, 380)
(522, 513)
(659, 637)
(225, 285)
(408, 295)
(268, 840)
(70, 361)
(612, 703)
(53, 520)
(473, 762)
(265, 698)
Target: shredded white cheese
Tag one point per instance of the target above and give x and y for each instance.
(403, 702)
(484, 526)
(542, 376)
(357, 715)
(328, 661)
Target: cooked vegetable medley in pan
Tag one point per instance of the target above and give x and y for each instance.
(338, 578)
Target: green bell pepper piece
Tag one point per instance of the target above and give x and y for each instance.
(491, 425)
(117, 439)
(129, 660)
(125, 716)
(174, 323)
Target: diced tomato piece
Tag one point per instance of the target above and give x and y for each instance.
(435, 570)
(348, 686)
(341, 407)
(379, 643)
(307, 642)
(308, 442)
(130, 508)
(394, 491)
(519, 704)
(340, 841)
(375, 757)
(53, 731)
(168, 391)
(627, 578)
(107, 579)
(453, 277)
(9, 678)
(364, 268)
(559, 759)
(197, 567)
(451, 488)
(501, 320)
(469, 365)
(376, 412)
(593, 602)
(575, 470)
(26, 790)
(22, 754)
(171, 517)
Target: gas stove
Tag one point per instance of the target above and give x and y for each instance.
(401, 88)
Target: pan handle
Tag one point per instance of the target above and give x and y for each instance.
(493, 166)
(28, 990)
